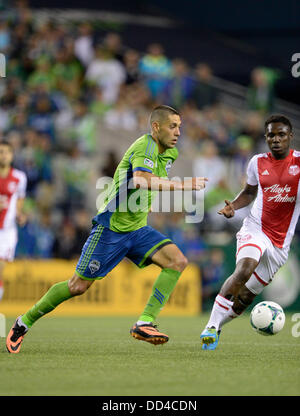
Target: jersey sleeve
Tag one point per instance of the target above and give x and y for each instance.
(252, 178)
(21, 190)
(144, 157)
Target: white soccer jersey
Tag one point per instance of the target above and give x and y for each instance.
(277, 206)
(12, 187)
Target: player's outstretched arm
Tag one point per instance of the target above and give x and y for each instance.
(146, 180)
(244, 198)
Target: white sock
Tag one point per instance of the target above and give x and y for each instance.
(220, 313)
(142, 323)
(230, 315)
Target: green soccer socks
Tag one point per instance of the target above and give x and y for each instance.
(57, 294)
(162, 289)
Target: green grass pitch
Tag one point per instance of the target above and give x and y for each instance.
(97, 356)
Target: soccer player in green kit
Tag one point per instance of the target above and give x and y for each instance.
(119, 231)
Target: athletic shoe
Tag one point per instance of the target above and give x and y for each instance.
(148, 333)
(15, 337)
(210, 338)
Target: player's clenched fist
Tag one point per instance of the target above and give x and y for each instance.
(228, 210)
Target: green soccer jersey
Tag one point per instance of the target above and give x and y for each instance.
(124, 208)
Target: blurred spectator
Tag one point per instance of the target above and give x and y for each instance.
(22, 12)
(193, 245)
(121, 116)
(18, 121)
(41, 118)
(137, 96)
(43, 157)
(211, 165)
(173, 227)
(27, 160)
(253, 127)
(112, 42)
(97, 105)
(204, 93)
(106, 72)
(42, 74)
(132, 69)
(156, 69)
(83, 225)
(72, 236)
(76, 172)
(18, 43)
(44, 236)
(84, 128)
(9, 96)
(66, 245)
(111, 164)
(36, 238)
(260, 94)
(209, 162)
(84, 44)
(243, 151)
(179, 87)
(5, 37)
(67, 71)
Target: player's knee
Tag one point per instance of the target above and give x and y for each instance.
(78, 286)
(179, 263)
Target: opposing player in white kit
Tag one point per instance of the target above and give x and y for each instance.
(263, 242)
(12, 193)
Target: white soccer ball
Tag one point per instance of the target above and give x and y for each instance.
(267, 318)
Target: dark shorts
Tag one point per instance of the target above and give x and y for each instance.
(104, 249)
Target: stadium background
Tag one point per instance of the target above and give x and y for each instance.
(69, 123)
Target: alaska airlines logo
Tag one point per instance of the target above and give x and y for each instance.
(279, 191)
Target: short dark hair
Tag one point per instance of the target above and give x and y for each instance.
(278, 118)
(6, 143)
(160, 112)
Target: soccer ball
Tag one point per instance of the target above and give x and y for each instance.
(267, 318)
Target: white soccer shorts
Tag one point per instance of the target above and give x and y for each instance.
(8, 243)
(253, 243)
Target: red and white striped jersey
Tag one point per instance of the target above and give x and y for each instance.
(12, 187)
(276, 208)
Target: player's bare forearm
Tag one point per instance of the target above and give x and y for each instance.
(146, 180)
(243, 199)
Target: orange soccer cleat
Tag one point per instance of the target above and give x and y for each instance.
(15, 337)
(148, 333)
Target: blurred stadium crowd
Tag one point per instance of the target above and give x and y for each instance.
(65, 82)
